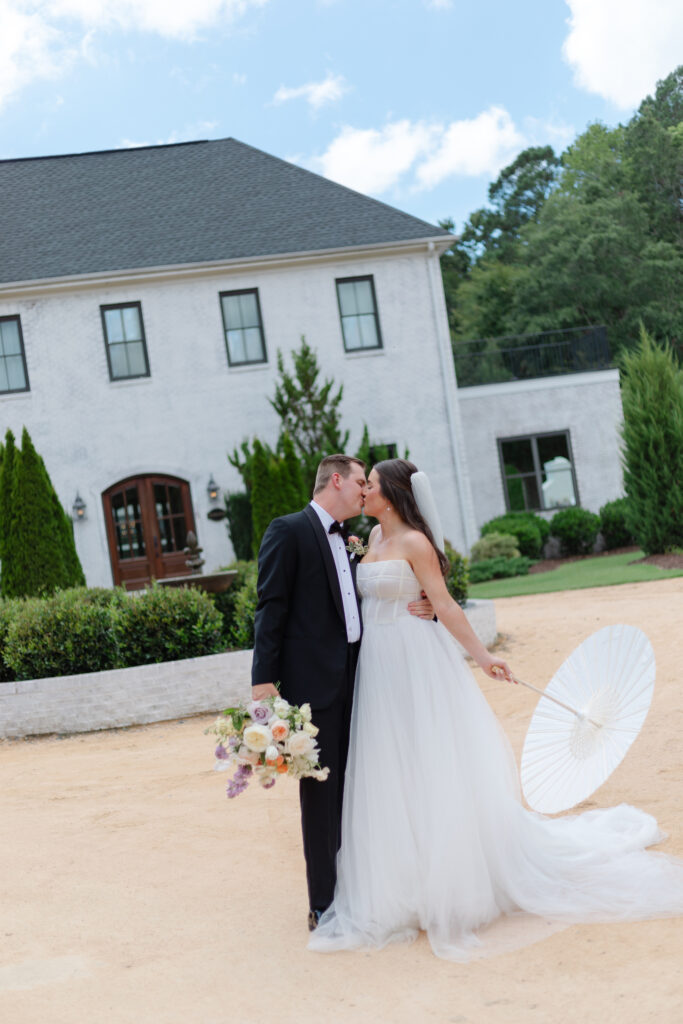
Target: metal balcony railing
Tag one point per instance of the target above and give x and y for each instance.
(524, 356)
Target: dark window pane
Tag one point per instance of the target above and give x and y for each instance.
(515, 488)
(517, 456)
(552, 446)
(179, 532)
(161, 500)
(176, 499)
(531, 496)
(165, 535)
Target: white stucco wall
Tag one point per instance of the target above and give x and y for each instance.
(588, 405)
(194, 408)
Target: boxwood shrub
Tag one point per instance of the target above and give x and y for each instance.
(165, 624)
(61, 635)
(531, 531)
(613, 525)
(498, 568)
(576, 530)
(457, 580)
(495, 545)
(241, 634)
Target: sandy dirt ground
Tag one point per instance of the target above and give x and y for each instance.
(132, 891)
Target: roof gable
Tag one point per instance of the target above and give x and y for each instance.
(179, 204)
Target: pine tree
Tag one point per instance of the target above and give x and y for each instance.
(652, 398)
(293, 493)
(261, 492)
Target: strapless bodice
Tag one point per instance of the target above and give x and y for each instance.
(386, 588)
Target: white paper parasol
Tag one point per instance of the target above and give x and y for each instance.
(593, 709)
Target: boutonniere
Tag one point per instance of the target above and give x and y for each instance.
(355, 546)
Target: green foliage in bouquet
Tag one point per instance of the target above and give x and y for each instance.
(613, 524)
(494, 545)
(652, 398)
(576, 530)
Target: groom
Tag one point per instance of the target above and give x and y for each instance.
(307, 635)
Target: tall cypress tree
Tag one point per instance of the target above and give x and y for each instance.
(9, 456)
(652, 397)
(39, 554)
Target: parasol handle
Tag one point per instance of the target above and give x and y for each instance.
(566, 707)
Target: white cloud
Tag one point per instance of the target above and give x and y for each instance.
(192, 132)
(420, 154)
(619, 48)
(372, 161)
(316, 94)
(480, 145)
(43, 38)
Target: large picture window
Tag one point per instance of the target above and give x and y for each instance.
(124, 336)
(358, 312)
(243, 327)
(13, 372)
(538, 472)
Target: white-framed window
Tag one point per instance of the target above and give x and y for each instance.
(358, 313)
(13, 372)
(243, 326)
(124, 337)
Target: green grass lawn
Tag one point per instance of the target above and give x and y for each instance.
(604, 571)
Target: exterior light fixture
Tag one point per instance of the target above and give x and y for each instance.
(78, 508)
(212, 489)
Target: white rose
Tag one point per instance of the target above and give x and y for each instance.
(310, 729)
(257, 737)
(272, 753)
(300, 744)
(305, 710)
(280, 706)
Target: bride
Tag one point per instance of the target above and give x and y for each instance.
(434, 833)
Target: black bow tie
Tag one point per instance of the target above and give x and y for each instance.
(341, 528)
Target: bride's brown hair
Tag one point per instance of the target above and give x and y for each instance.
(394, 480)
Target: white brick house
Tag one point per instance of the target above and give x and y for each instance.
(143, 297)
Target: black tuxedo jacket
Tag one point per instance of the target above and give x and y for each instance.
(300, 630)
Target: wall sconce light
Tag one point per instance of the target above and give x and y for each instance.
(79, 508)
(212, 490)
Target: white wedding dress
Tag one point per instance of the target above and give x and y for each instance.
(434, 834)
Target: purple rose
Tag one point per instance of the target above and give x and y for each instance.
(260, 712)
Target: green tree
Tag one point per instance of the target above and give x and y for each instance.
(309, 411)
(6, 482)
(39, 554)
(652, 397)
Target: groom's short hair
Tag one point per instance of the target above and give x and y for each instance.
(334, 464)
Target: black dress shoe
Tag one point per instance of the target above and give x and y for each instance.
(313, 919)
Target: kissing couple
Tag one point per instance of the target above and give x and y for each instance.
(419, 825)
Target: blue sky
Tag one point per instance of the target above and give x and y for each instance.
(417, 102)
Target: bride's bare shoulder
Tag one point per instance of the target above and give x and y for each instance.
(416, 544)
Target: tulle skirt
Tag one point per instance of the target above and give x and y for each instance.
(434, 836)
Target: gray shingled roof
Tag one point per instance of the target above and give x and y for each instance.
(188, 203)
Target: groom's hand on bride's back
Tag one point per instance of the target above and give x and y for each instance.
(263, 690)
(422, 608)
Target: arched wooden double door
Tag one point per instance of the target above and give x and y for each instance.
(148, 519)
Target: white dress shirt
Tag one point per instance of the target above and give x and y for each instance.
(341, 564)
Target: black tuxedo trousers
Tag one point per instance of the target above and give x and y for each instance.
(301, 642)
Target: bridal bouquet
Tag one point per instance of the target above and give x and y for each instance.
(264, 739)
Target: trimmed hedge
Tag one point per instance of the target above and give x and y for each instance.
(531, 531)
(613, 524)
(498, 568)
(166, 624)
(576, 530)
(241, 635)
(60, 636)
(495, 545)
(82, 630)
